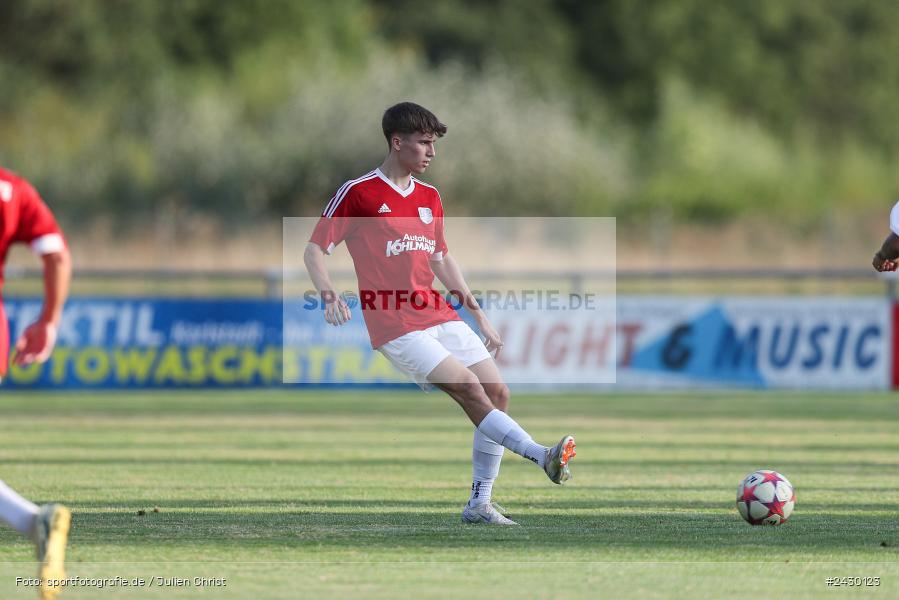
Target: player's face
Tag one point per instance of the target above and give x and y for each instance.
(415, 151)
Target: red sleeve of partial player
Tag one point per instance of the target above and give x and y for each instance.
(440, 247)
(36, 226)
(335, 224)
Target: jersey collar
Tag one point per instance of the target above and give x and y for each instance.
(402, 192)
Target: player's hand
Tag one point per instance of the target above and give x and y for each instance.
(337, 312)
(493, 342)
(881, 263)
(36, 343)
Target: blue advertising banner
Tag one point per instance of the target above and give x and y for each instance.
(137, 343)
(168, 343)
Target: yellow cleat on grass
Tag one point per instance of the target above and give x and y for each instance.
(51, 534)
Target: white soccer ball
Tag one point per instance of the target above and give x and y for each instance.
(765, 498)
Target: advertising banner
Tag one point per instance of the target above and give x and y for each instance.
(791, 342)
(149, 343)
(654, 343)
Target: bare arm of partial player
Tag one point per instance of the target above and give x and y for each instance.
(885, 258)
(450, 275)
(37, 341)
(336, 310)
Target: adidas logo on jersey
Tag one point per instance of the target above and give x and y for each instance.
(384, 208)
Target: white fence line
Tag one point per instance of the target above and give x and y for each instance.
(273, 278)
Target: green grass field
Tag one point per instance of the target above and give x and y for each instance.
(345, 494)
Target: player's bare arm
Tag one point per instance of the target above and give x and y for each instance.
(336, 310)
(885, 258)
(450, 275)
(37, 341)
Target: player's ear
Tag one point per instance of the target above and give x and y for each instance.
(395, 141)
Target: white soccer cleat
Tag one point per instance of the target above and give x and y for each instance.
(484, 514)
(500, 509)
(557, 457)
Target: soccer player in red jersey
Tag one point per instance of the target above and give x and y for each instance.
(392, 224)
(25, 218)
(886, 258)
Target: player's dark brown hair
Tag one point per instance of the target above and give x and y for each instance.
(408, 117)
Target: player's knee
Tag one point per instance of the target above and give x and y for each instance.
(499, 395)
(473, 392)
(468, 389)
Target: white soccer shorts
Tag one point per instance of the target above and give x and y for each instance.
(417, 353)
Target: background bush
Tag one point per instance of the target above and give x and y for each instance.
(249, 110)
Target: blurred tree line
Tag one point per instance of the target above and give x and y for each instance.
(252, 109)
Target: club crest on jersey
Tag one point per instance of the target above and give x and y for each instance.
(425, 214)
(6, 191)
(411, 242)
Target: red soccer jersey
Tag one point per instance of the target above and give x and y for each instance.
(391, 234)
(23, 218)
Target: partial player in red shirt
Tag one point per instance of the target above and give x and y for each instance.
(392, 224)
(26, 219)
